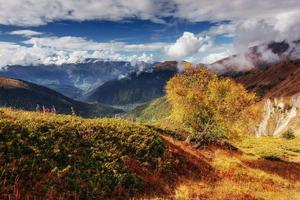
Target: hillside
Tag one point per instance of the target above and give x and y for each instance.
(135, 88)
(63, 157)
(278, 80)
(152, 111)
(66, 157)
(273, 118)
(25, 95)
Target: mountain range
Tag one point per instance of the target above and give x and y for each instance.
(136, 87)
(271, 70)
(74, 80)
(258, 57)
(24, 95)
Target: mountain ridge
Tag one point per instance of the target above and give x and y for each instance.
(73, 80)
(25, 95)
(135, 88)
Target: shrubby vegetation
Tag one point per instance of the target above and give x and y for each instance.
(289, 134)
(207, 105)
(69, 157)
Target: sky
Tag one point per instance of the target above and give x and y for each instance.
(34, 32)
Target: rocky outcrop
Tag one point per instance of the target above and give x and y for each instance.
(278, 116)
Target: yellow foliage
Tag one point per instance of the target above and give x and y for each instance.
(198, 97)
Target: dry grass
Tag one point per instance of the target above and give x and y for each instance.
(237, 176)
(287, 150)
(237, 180)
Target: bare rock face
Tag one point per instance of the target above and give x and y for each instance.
(279, 115)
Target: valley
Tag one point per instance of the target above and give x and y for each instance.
(24, 95)
(149, 100)
(146, 151)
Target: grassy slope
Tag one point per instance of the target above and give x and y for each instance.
(152, 111)
(157, 113)
(221, 174)
(63, 156)
(254, 174)
(272, 148)
(67, 156)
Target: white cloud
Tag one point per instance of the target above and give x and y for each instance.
(255, 31)
(215, 53)
(60, 50)
(75, 43)
(234, 10)
(187, 45)
(249, 22)
(213, 57)
(25, 33)
(227, 29)
(33, 13)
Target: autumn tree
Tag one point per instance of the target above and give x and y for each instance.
(205, 103)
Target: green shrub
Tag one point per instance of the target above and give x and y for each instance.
(289, 134)
(133, 184)
(272, 155)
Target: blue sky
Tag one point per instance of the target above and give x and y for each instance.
(133, 31)
(57, 31)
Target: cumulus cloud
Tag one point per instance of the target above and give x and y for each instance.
(197, 49)
(248, 22)
(187, 45)
(25, 33)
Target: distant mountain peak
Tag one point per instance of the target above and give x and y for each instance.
(260, 56)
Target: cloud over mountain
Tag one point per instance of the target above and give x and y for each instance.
(245, 22)
(60, 50)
